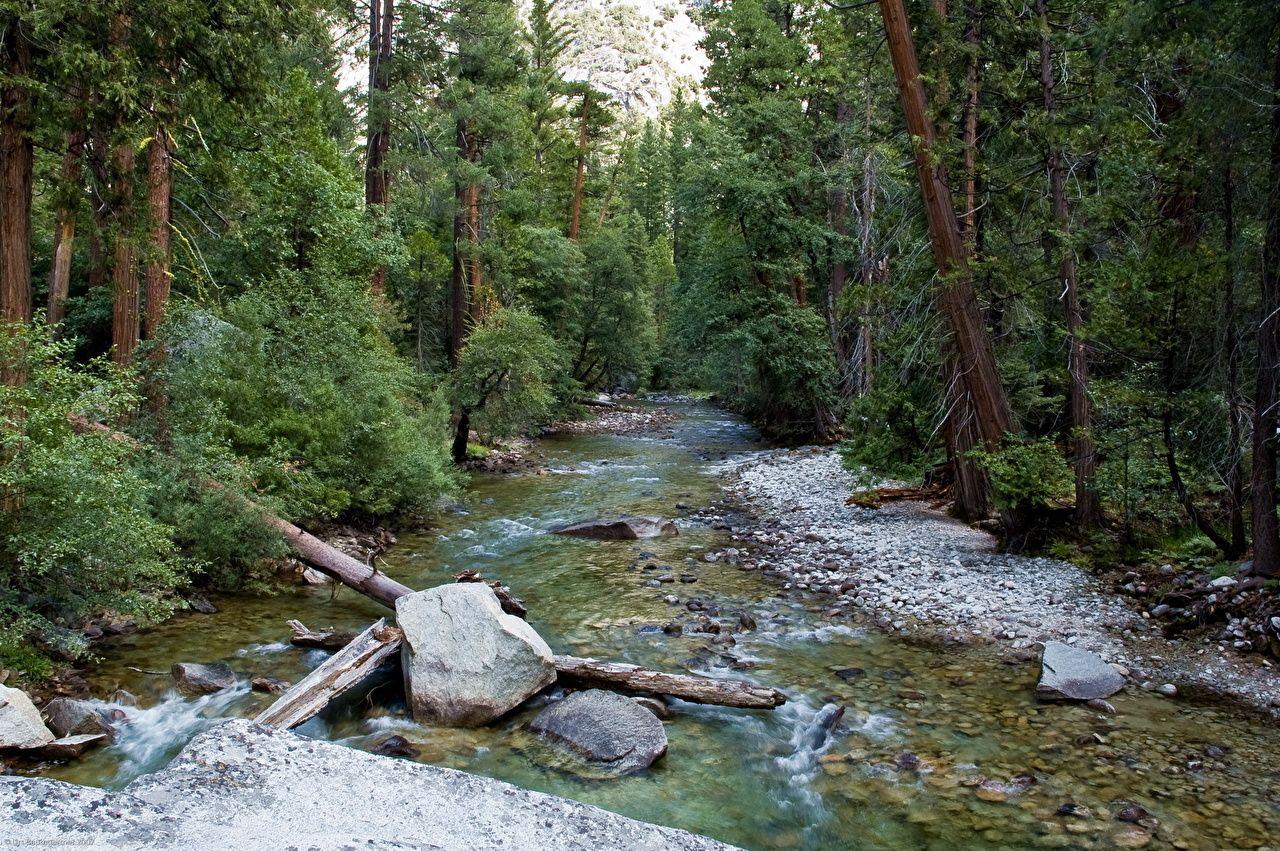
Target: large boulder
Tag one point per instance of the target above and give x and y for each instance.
(607, 730)
(625, 528)
(1071, 673)
(20, 724)
(240, 786)
(67, 716)
(466, 662)
(203, 679)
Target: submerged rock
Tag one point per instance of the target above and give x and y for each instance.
(621, 528)
(270, 685)
(466, 662)
(203, 679)
(395, 746)
(67, 716)
(239, 786)
(605, 729)
(20, 723)
(1071, 673)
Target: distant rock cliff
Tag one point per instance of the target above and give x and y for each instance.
(639, 51)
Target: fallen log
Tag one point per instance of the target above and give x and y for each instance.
(325, 639)
(339, 672)
(349, 571)
(876, 497)
(735, 693)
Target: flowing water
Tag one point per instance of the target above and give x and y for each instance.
(936, 749)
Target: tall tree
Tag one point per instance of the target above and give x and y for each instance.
(1078, 403)
(377, 176)
(70, 192)
(1266, 531)
(16, 166)
(980, 394)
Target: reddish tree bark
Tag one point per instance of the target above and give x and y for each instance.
(159, 201)
(377, 178)
(16, 164)
(969, 118)
(981, 395)
(124, 267)
(1266, 532)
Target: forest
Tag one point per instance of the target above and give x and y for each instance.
(1029, 252)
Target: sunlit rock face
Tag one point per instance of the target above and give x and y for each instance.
(641, 52)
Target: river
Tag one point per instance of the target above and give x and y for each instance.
(939, 748)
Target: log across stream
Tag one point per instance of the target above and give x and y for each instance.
(931, 750)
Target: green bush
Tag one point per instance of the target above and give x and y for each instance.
(506, 373)
(77, 535)
(1027, 474)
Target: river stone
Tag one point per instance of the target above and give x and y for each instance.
(466, 662)
(71, 747)
(624, 528)
(605, 729)
(240, 786)
(203, 679)
(20, 723)
(1072, 673)
(67, 716)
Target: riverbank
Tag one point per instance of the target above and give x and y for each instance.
(908, 568)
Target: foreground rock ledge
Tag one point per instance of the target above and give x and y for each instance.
(238, 786)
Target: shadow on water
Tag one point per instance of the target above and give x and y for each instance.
(935, 749)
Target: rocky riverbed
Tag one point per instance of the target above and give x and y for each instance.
(908, 568)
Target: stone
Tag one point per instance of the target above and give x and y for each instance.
(71, 747)
(202, 605)
(239, 786)
(67, 716)
(1133, 813)
(991, 792)
(123, 697)
(203, 679)
(1101, 705)
(20, 722)
(395, 746)
(1072, 673)
(270, 685)
(654, 705)
(466, 662)
(605, 729)
(1167, 689)
(625, 528)
(1131, 838)
(1224, 582)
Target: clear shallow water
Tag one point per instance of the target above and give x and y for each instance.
(922, 728)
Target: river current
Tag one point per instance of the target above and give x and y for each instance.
(937, 749)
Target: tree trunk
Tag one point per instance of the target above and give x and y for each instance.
(981, 394)
(1235, 402)
(159, 204)
(972, 90)
(1083, 453)
(341, 671)
(124, 270)
(16, 164)
(614, 675)
(1266, 532)
(69, 191)
(376, 174)
(580, 177)
(461, 434)
(459, 301)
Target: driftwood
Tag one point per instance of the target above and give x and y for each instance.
(511, 604)
(735, 693)
(325, 639)
(879, 496)
(339, 672)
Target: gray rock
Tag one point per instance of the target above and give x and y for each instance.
(71, 747)
(20, 723)
(238, 786)
(1072, 673)
(466, 662)
(624, 528)
(203, 679)
(67, 716)
(605, 729)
